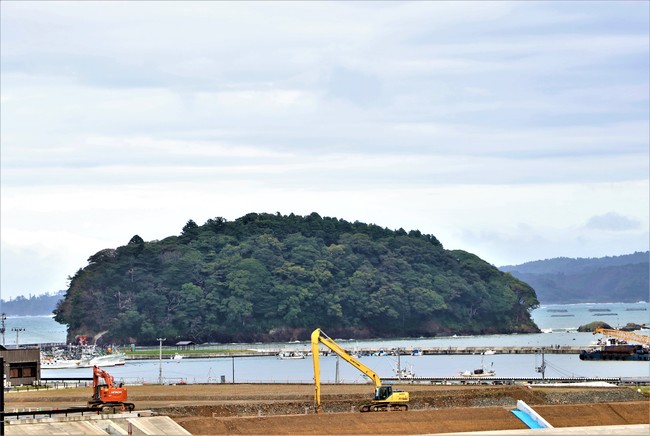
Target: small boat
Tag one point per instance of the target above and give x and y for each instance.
(54, 363)
(102, 360)
(59, 359)
(480, 372)
(177, 356)
(285, 355)
(483, 371)
(489, 352)
(405, 373)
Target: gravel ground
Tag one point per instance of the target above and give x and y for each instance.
(288, 409)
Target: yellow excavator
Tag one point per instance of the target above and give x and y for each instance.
(385, 397)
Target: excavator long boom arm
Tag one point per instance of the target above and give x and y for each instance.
(100, 373)
(318, 337)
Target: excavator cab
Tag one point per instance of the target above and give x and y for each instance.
(386, 397)
(383, 392)
(97, 392)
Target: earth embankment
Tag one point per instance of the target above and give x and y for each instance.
(288, 409)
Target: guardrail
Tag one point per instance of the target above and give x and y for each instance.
(519, 380)
(35, 413)
(634, 381)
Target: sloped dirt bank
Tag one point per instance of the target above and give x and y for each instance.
(458, 419)
(265, 400)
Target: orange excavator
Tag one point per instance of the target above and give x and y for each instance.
(107, 395)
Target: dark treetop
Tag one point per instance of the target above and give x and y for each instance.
(266, 277)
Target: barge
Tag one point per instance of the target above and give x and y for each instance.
(616, 350)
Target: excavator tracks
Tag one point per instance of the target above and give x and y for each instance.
(112, 407)
(384, 407)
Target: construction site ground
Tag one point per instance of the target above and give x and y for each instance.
(276, 409)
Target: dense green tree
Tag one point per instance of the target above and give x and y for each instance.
(274, 277)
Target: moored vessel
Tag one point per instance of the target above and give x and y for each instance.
(483, 371)
(291, 355)
(616, 346)
(114, 359)
(479, 372)
(54, 363)
(617, 352)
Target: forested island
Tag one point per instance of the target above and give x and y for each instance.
(611, 279)
(266, 277)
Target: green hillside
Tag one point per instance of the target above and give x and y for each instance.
(267, 277)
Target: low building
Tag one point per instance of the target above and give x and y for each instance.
(185, 345)
(22, 365)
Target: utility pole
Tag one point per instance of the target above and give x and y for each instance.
(160, 377)
(2, 393)
(542, 367)
(17, 330)
(336, 374)
(3, 329)
(399, 367)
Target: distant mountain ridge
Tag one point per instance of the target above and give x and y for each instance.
(608, 279)
(33, 305)
(556, 281)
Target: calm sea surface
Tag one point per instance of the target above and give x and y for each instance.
(559, 320)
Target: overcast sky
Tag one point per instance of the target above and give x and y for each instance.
(517, 131)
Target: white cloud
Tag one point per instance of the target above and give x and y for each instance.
(515, 130)
(612, 221)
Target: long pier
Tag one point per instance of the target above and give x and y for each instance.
(406, 351)
(431, 351)
(565, 381)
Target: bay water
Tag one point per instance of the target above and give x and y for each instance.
(558, 321)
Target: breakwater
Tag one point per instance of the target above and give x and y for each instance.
(411, 351)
